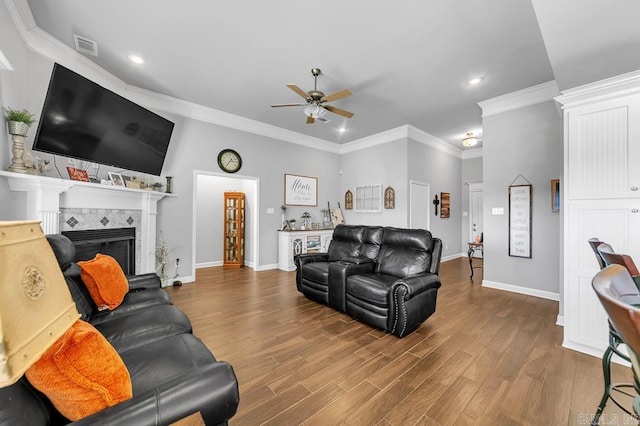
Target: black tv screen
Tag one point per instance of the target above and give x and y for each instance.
(82, 119)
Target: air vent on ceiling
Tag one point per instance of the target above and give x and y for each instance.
(85, 45)
(322, 120)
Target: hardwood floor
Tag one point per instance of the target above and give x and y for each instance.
(486, 357)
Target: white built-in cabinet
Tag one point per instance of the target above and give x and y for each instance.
(601, 196)
(291, 243)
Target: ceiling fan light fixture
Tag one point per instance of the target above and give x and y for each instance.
(314, 111)
(469, 140)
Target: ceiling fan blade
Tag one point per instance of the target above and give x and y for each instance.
(310, 120)
(338, 111)
(298, 90)
(285, 105)
(338, 95)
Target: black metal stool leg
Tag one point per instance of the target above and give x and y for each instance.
(606, 370)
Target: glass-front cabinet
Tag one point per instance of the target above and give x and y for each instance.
(233, 230)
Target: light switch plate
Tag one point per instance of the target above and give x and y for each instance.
(497, 210)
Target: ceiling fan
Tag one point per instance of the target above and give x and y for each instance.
(315, 100)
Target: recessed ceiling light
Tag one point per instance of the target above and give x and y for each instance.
(136, 59)
(474, 81)
(342, 129)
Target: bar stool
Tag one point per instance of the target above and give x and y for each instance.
(614, 338)
(620, 297)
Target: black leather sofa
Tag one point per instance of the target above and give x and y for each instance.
(383, 276)
(173, 374)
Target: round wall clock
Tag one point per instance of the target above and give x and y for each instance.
(229, 160)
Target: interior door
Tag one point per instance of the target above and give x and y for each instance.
(419, 194)
(476, 199)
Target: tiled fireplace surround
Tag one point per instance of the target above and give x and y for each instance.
(66, 205)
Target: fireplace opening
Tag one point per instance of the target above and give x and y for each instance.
(119, 243)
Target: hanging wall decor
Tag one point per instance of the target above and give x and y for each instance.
(555, 195)
(436, 202)
(300, 190)
(368, 198)
(445, 200)
(389, 198)
(348, 200)
(520, 220)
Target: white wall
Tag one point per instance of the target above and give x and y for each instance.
(528, 142)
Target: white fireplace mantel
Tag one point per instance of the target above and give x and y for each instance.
(47, 195)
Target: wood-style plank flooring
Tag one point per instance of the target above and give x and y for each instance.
(486, 357)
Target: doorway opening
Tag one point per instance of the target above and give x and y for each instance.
(419, 203)
(476, 221)
(208, 233)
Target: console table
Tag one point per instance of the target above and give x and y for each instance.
(473, 248)
(295, 242)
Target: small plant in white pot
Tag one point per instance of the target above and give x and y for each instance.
(18, 121)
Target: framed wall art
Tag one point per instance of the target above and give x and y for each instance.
(555, 195)
(348, 200)
(389, 198)
(445, 205)
(368, 198)
(300, 190)
(520, 220)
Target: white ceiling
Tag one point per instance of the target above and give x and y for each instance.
(407, 61)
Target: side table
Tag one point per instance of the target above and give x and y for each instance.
(473, 247)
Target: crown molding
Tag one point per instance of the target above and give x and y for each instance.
(374, 140)
(199, 112)
(428, 139)
(621, 85)
(520, 98)
(403, 132)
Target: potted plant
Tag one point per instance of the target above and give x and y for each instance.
(18, 121)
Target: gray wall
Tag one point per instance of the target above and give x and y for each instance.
(384, 164)
(195, 146)
(526, 141)
(209, 217)
(442, 171)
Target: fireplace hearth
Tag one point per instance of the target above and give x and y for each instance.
(119, 243)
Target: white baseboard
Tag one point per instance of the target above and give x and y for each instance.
(452, 256)
(247, 264)
(266, 267)
(560, 320)
(185, 280)
(522, 290)
(208, 264)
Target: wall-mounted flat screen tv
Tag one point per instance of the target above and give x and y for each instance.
(83, 120)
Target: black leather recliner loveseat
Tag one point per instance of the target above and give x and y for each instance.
(173, 374)
(386, 277)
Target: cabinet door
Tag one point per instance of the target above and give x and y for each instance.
(604, 149)
(616, 222)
